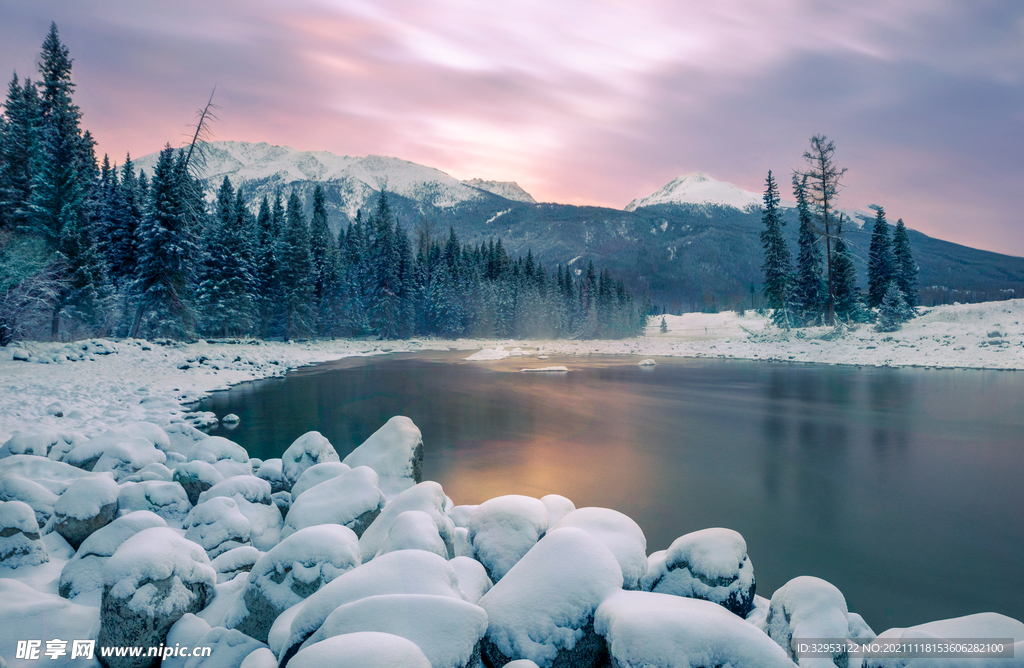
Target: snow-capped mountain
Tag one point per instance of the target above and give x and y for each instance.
(265, 167)
(698, 188)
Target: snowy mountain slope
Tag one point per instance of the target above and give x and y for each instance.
(698, 188)
(510, 190)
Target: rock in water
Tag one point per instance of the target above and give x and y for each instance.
(20, 544)
(153, 578)
(87, 505)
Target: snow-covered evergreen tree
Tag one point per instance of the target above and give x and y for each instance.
(19, 128)
(809, 289)
(903, 264)
(880, 260)
(894, 310)
(777, 265)
(296, 271)
(225, 295)
(848, 303)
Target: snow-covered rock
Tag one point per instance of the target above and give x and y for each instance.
(290, 572)
(234, 561)
(504, 528)
(18, 488)
(255, 502)
(352, 500)
(217, 525)
(54, 476)
(395, 452)
(228, 648)
(710, 564)
(261, 658)
(244, 487)
(43, 443)
(166, 499)
(20, 544)
(448, 630)
(427, 497)
(153, 578)
(309, 449)
(622, 536)
(808, 607)
(558, 507)
(414, 530)
(473, 580)
(124, 449)
(186, 632)
(647, 362)
(127, 457)
(489, 355)
(368, 649)
(196, 477)
(976, 627)
(646, 630)
(271, 470)
(215, 449)
(83, 573)
(87, 505)
(543, 609)
(28, 614)
(401, 572)
(316, 474)
(461, 515)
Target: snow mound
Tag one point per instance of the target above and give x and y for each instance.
(427, 497)
(294, 569)
(558, 507)
(982, 625)
(808, 607)
(352, 500)
(217, 525)
(213, 449)
(309, 449)
(461, 515)
(646, 630)
(544, 607)
(621, 535)
(42, 443)
(402, 572)
(489, 355)
(237, 560)
(367, 649)
(20, 544)
(28, 614)
(446, 629)
(54, 476)
(272, 471)
(504, 528)
(166, 499)
(395, 452)
(127, 457)
(316, 474)
(710, 564)
(547, 369)
(228, 648)
(40, 499)
(414, 530)
(196, 477)
(243, 487)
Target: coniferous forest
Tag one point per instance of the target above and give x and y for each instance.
(90, 249)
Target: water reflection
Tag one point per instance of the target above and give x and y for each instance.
(899, 486)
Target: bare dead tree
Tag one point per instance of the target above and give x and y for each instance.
(823, 184)
(195, 158)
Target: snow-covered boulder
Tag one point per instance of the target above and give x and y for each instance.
(196, 477)
(228, 648)
(153, 471)
(427, 497)
(28, 614)
(504, 528)
(261, 658)
(20, 544)
(309, 449)
(43, 443)
(543, 609)
(166, 499)
(473, 580)
(646, 630)
(83, 574)
(217, 525)
(186, 632)
(127, 448)
(54, 476)
(183, 437)
(710, 564)
(352, 500)
(402, 572)
(621, 535)
(976, 627)
(87, 505)
(229, 458)
(127, 457)
(395, 452)
(231, 563)
(461, 515)
(446, 629)
(558, 507)
(366, 650)
(293, 570)
(414, 530)
(153, 578)
(316, 474)
(808, 607)
(41, 500)
(255, 502)
(271, 470)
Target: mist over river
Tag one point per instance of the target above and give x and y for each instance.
(901, 486)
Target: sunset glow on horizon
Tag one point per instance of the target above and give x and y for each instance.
(580, 102)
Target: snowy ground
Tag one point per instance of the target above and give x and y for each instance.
(138, 380)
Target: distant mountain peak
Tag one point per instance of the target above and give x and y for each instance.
(698, 188)
(508, 189)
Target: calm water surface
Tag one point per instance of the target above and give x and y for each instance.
(903, 487)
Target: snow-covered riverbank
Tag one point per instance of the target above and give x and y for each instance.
(121, 381)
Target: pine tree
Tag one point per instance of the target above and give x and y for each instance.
(226, 284)
(664, 326)
(324, 255)
(296, 275)
(809, 289)
(894, 310)
(880, 260)
(777, 265)
(848, 304)
(18, 139)
(904, 265)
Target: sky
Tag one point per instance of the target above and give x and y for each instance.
(579, 101)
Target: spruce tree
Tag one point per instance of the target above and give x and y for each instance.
(809, 289)
(296, 274)
(848, 304)
(903, 263)
(18, 139)
(777, 265)
(880, 260)
(226, 283)
(894, 310)
(664, 326)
